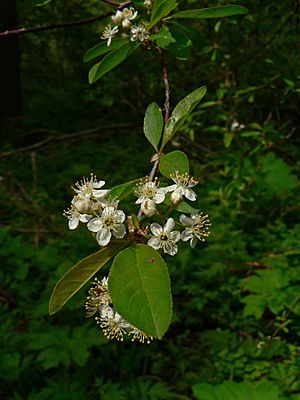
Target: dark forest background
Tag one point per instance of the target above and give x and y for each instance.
(236, 323)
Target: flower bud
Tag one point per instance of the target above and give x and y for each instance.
(176, 197)
(148, 207)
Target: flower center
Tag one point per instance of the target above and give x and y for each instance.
(109, 221)
(164, 237)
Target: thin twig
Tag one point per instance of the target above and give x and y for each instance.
(117, 4)
(63, 136)
(166, 84)
(57, 26)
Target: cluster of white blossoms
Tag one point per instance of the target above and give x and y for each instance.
(112, 324)
(91, 206)
(123, 18)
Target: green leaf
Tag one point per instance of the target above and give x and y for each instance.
(181, 112)
(77, 276)
(227, 139)
(185, 207)
(181, 49)
(160, 9)
(122, 191)
(102, 48)
(172, 162)
(163, 37)
(212, 12)
(139, 286)
(111, 60)
(230, 390)
(153, 124)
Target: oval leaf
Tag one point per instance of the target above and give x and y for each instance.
(122, 191)
(77, 276)
(102, 48)
(160, 9)
(172, 162)
(153, 124)
(139, 286)
(212, 12)
(111, 60)
(181, 112)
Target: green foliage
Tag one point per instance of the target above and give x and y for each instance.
(236, 391)
(255, 227)
(212, 12)
(160, 9)
(172, 162)
(181, 113)
(139, 285)
(111, 60)
(153, 124)
(81, 273)
(102, 48)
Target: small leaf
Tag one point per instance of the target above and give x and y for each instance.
(111, 60)
(153, 124)
(139, 286)
(181, 49)
(227, 139)
(172, 162)
(212, 12)
(163, 37)
(160, 9)
(181, 112)
(122, 191)
(77, 276)
(102, 48)
(186, 208)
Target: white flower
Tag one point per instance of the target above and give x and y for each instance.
(124, 17)
(164, 237)
(74, 217)
(182, 187)
(109, 33)
(148, 190)
(98, 298)
(139, 32)
(110, 222)
(90, 188)
(85, 205)
(113, 325)
(197, 227)
(129, 14)
(118, 17)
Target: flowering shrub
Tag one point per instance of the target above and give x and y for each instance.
(135, 300)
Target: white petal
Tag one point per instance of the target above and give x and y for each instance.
(100, 193)
(120, 216)
(119, 231)
(73, 223)
(103, 236)
(94, 224)
(170, 188)
(175, 236)
(98, 185)
(193, 242)
(170, 248)
(156, 229)
(186, 235)
(169, 225)
(159, 196)
(186, 221)
(107, 211)
(190, 194)
(155, 243)
(85, 218)
(140, 200)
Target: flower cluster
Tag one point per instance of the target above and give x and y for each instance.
(123, 18)
(91, 206)
(112, 324)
